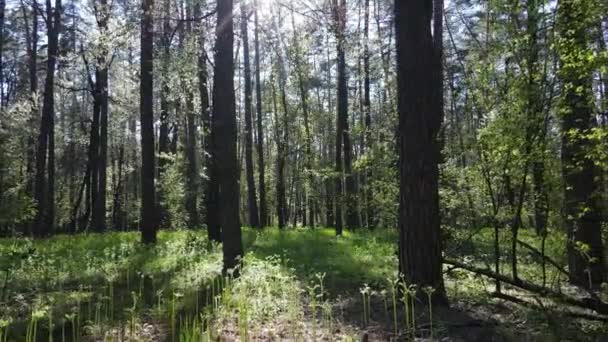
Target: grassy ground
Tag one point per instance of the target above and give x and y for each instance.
(297, 285)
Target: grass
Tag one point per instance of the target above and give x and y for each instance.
(300, 284)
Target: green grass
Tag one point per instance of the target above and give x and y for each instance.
(292, 285)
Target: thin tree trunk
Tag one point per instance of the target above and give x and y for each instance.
(260, 125)
(370, 223)
(302, 84)
(192, 170)
(252, 206)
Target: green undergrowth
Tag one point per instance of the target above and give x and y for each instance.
(294, 285)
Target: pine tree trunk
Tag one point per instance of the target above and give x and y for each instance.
(191, 169)
(260, 126)
(224, 121)
(44, 189)
(252, 206)
(102, 85)
(420, 257)
(32, 39)
(211, 187)
(149, 218)
(368, 190)
(581, 214)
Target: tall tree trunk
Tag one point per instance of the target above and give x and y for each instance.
(163, 136)
(93, 155)
(33, 78)
(342, 134)
(341, 117)
(146, 103)
(280, 166)
(535, 109)
(260, 125)
(581, 212)
(211, 186)
(99, 224)
(192, 170)
(368, 190)
(303, 87)
(420, 248)
(44, 189)
(251, 193)
(224, 121)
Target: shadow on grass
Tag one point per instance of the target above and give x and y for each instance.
(348, 262)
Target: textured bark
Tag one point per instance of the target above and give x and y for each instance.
(163, 136)
(419, 122)
(260, 126)
(44, 189)
(367, 179)
(341, 117)
(343, 143)
(149, 219)
(535, 110)
(308, 158)
(191, 167)
(99, 223)
(224, 121)
(31, 35)
(93, 155)
(581, 214)
(252, 206)
(281, 205)
(211, 186)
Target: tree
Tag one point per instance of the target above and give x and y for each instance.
(44, 188)
(251, 194)
(99, 216)
(224, 131)
(582, 215)
(260, 124)
(191, 168)
(31, 35)
(420, 256)
(367, 179)
(149, 218)
(343, 143)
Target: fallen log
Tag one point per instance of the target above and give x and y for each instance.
(539, 306)
(594, 304)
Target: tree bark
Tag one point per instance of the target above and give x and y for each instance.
(191, 169)
(308, 158)
(369, 194)
(99, 224)
(260, 126)
(252, 206)
(211, 187)
(224, 121)
(149, 218)
(32, 47)
(44, 189)
(420, 247)
(581, 214)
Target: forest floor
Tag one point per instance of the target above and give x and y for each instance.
(297, 285)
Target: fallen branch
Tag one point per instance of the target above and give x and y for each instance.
(539, 306)
(586, 303)
(535, 251)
